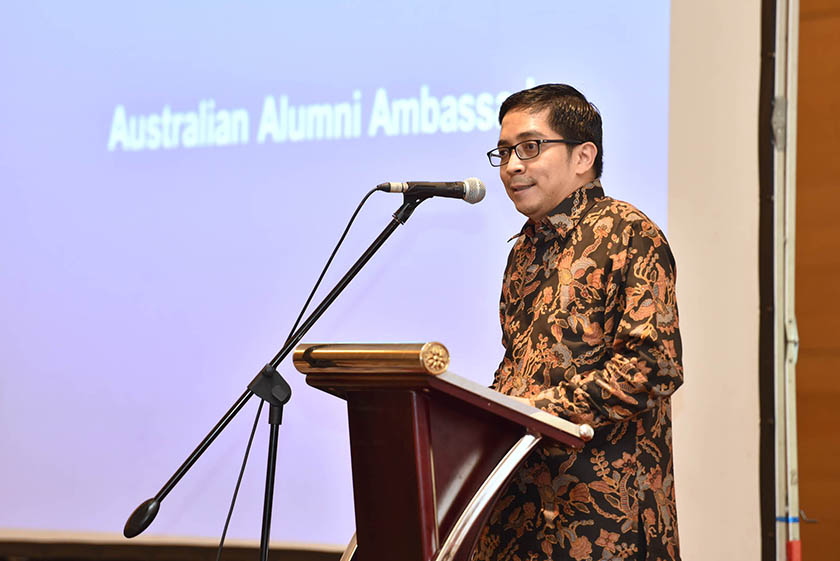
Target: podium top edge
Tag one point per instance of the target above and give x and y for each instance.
(324, 358)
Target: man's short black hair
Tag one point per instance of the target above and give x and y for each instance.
(570, 114)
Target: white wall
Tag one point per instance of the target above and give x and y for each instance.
(713, 228)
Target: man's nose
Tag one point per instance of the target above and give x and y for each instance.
(514, 164)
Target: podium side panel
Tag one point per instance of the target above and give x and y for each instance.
(467, 443)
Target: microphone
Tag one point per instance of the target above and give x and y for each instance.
(471, 190)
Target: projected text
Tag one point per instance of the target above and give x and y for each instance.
(281, 120)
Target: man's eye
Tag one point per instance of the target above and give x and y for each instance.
(503, 152)
(530, 146)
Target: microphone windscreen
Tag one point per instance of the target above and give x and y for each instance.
(473, 190)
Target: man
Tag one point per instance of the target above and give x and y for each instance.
(590, 330)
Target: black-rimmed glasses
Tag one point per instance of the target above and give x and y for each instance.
(525, 150)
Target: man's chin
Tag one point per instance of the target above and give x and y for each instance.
(524, 203)
(529, 211)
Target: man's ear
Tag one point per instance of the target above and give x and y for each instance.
(585, 157)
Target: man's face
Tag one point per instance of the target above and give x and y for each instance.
(539, 184)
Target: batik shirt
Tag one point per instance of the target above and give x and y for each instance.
(589, 324)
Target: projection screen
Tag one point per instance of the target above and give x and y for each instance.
(173, 177)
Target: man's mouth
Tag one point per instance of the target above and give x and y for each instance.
(520, 187)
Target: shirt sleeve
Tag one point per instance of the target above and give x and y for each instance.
(642, 363)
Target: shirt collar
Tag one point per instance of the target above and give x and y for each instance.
(565, 216)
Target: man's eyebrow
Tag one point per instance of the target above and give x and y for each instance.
(521, 136)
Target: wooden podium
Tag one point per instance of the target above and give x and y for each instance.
(430, 451)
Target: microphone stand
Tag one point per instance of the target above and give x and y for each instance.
(269, 386)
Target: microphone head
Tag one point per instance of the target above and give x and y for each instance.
(473, 190)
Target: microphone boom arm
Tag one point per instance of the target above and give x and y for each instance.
(268, 384)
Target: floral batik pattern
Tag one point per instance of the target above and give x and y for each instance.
(590, 328)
